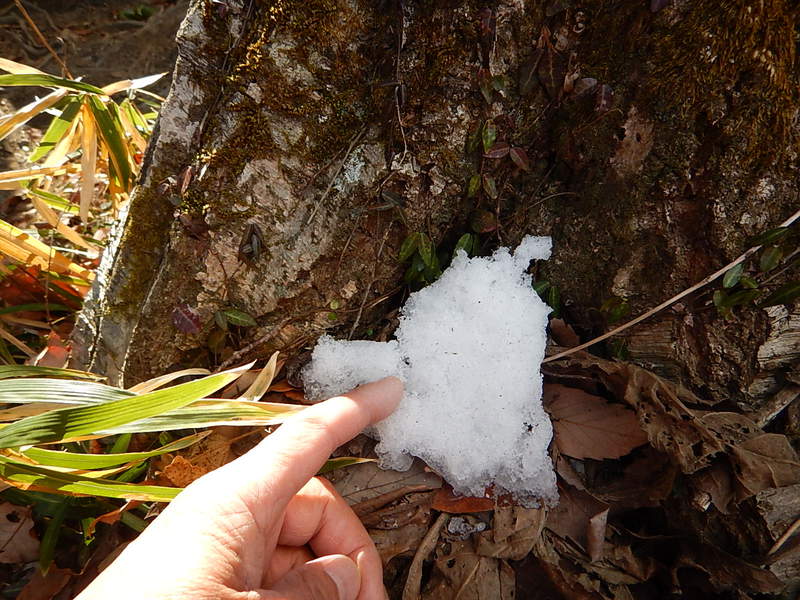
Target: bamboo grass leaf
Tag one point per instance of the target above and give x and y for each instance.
(213, 413)
(107, 120)
(58, 128)
(75, 460)
(54, 221)
(48, 81)
(75, 422)
(33, 389)
(26, 249)
(42, 479)
(157, 382)
(341, 462)
(262, 382)
(19, 68)
(53, 200)
(88, 161)
(14, 121)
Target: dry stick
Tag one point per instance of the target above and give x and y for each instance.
(786, 535)
(414, 579)
(42, 39)
(667, 303)
(369, 285)
(366, 507)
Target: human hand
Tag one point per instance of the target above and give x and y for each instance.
(254, 528)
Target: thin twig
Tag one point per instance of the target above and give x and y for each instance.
(366, 507)
(42, 39)
(667, 303)
(369, 285)
(786, 535)
(428, 543)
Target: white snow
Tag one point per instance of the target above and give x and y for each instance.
(469, 349)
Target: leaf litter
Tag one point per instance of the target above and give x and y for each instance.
(659, 494)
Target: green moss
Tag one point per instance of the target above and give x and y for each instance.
(735, 61)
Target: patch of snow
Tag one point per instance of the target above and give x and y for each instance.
(469, 349)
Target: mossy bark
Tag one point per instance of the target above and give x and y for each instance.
(657, 144)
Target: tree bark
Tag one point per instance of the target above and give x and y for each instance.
(660, 137)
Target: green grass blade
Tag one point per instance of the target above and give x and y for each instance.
(48, 81)
(75, 422)
(58, 391)
(341, 462)
(40, 307)
(75, 460)
(7, 389)
(212, 413)
(47, 548)
(57, 129)
(110, 130)
(42, 479)
(53, 200)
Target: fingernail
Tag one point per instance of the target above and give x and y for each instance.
(345, 574)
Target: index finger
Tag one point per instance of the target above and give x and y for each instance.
(293, 454)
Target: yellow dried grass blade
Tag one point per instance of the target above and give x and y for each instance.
(24, 248)
(88, 161)
(15, 120)
(18, 68)
(49, 215)
(58, 154)
(157, 382)
(261, 384)
(26, 322)
(11, 180)
(136, 138)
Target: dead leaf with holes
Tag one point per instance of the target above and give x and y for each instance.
(587, 426)
(18, 543)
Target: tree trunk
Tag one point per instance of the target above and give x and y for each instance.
(659, 141)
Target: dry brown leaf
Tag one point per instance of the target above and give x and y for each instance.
(45, 587)
(574, 513)
(515, 530)
(365, 481)
(671, 426)
(563, 335)
(180, 472)
(596, 535)
(727, 571)
(398, 530)
(18, 543)
(446, 501)
(587, 426)
(713, 485)
(763, 462)
(645, 481)
(461, 573)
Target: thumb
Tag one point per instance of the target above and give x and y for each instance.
(334, 577)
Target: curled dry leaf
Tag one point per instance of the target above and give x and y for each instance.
(446, 501)
(577, 517)
(588, 426)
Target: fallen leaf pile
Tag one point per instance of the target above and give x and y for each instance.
(660, 494)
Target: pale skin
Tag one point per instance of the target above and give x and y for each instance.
(263, 527)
